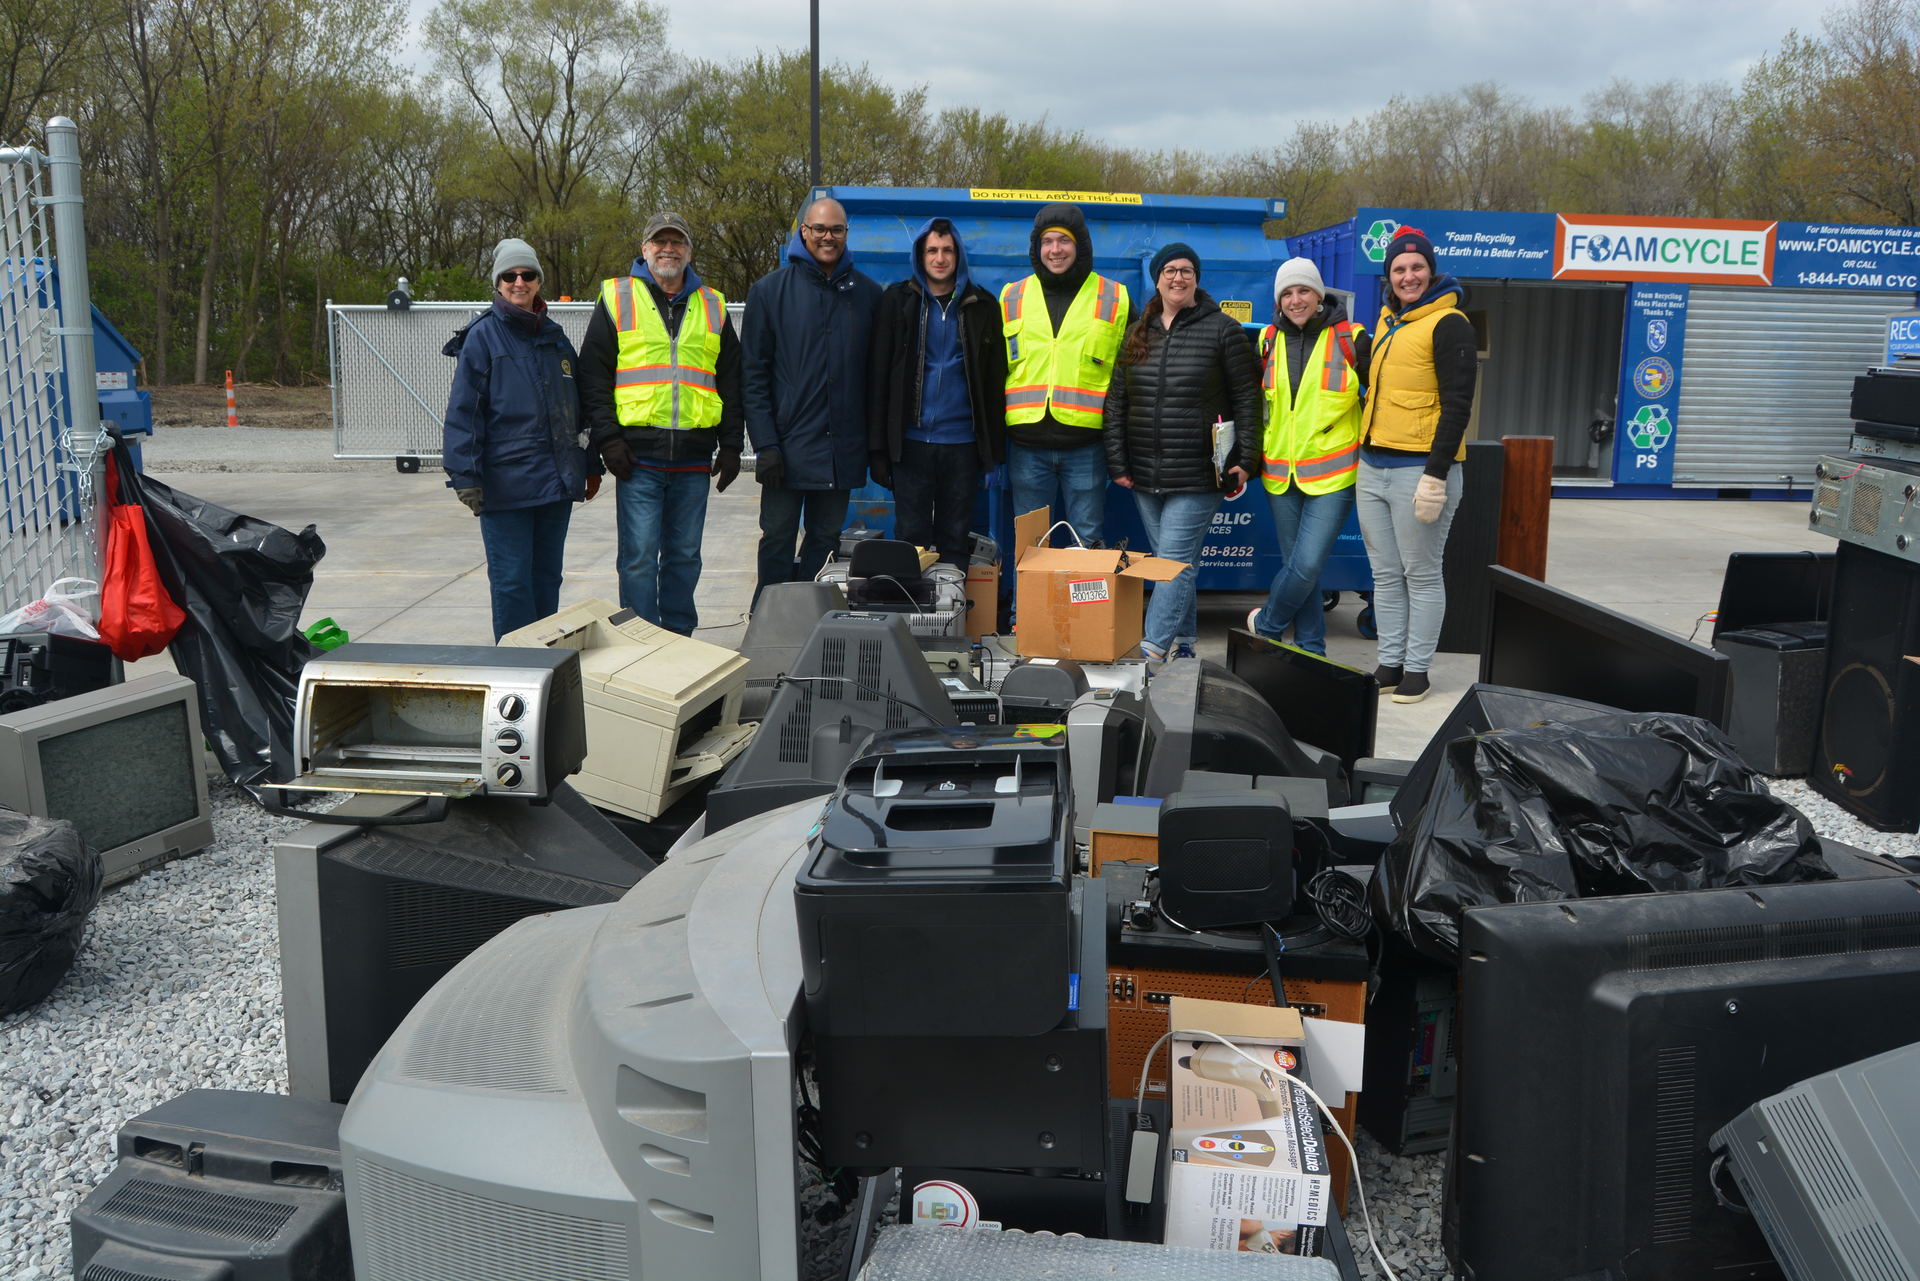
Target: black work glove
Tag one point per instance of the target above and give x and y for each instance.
(726, 465)
(618, 456)
(882, 467)
(770, 467)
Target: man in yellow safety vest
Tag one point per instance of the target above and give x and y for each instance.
(1063, 327)
(660, 389)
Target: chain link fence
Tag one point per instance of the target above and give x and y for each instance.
(391, 382)
(51, 441)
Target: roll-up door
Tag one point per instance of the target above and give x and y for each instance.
(1767, 377)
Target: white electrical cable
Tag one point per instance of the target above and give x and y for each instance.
(1140, 1103)
(1070, 529)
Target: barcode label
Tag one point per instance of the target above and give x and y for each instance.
(1086, 591)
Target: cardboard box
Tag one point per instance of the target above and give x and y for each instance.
(1076, 603)
(983, 600)
(1247, 1164)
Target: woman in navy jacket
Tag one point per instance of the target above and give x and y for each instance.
(511, 445)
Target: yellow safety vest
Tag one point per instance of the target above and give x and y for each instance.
(1065, 373)
(661, 380)
(1313, 434)
(1403, 394)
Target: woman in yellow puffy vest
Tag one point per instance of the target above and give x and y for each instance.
(1310, 451)
(1412, 432)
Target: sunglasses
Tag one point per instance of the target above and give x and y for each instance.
(515, 277)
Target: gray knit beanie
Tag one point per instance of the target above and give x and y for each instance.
(515, 255)
(1298, 271)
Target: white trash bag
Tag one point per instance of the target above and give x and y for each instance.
(66, 610)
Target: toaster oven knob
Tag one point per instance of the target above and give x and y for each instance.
(507, 740)
(508, 774)
(511, 706)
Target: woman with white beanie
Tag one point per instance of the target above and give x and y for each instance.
(1311, 356)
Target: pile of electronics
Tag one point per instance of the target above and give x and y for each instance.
(632, 951)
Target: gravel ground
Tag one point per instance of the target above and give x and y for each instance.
(177, 986)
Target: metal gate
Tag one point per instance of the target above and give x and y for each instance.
(390, 381)
(50, 443)
(1767, 376)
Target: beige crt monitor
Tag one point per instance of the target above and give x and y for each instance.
(122, 764)
(663, 710)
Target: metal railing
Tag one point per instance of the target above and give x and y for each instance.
(390, 380)
(51, 440)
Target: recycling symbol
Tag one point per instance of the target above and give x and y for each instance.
(1650, 428)
(1379, 236)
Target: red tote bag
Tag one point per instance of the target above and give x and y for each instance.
(137, 617)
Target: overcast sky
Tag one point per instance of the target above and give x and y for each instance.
(1229, 75)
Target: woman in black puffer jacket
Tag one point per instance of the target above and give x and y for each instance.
(1184, 367)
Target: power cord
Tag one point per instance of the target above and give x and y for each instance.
(1340, 901)
(877, 693)
(1359, 1181)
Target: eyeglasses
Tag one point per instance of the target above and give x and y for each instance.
(1179, 273)
(837, 231)
(515, 277)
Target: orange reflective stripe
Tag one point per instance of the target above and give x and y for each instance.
(1108, 301)
(716, 313)
(1334, 464)
(1026, 396)
(642, 375)
(1010, 300)
(1267, 345)
(1079, 397)
(1333, 369)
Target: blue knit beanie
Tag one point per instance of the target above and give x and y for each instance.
(1175, 250)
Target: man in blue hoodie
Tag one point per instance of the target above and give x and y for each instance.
(936, 394)
(804, 378)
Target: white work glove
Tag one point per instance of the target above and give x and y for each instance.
(1428, 498)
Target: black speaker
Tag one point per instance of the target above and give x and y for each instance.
(1226, 858)
(1866, 758)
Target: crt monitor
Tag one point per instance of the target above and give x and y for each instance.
(1604, 1041)
(1775, 587)
(1543, 639)
(122, 764)
(1200, 716)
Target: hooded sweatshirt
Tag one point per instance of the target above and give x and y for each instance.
(946, 415)
(1060, 291)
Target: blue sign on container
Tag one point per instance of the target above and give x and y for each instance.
(1822, 256)
(1517, 246)
(1903, 335)
(1649, 406)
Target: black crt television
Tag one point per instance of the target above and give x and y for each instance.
(1544, 639)
(1775, 587)
(1321, 702)
(1604, 1041)
(1197, 715)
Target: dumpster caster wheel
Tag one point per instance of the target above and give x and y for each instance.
(1365, 623)
(1328, 600)
(406, 466)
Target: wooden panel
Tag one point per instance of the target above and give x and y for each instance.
(1137, 1017)
(1526, 496)
(1122, 847)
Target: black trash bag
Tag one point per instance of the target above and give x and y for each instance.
(1618, 804)
(49, 883)
(243, 583)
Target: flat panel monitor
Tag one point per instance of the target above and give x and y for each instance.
(1544, 639)
(122, 764)
(1604, 1041)
(1775, 587)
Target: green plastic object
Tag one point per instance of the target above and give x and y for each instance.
(327, 634)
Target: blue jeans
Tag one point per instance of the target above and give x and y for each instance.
(1308, 526)
(1177, 527)
(781, 511)
(1036, 475)
(1409, 592)
(525, 548)
(661, 515)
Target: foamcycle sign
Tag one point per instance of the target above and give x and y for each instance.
(1690, 250)
(1903, 336)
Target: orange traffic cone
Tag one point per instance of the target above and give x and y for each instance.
(233, 419)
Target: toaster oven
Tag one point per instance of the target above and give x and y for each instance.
(440, 720)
